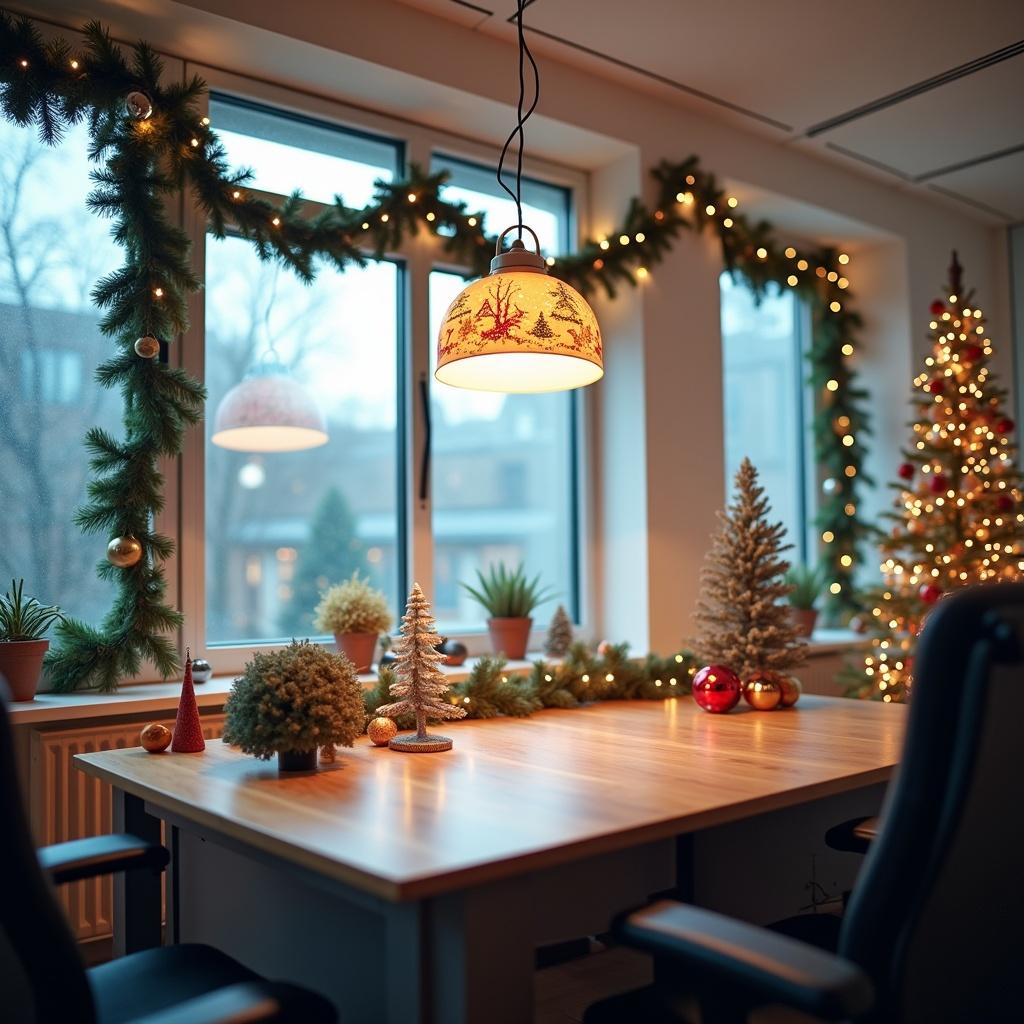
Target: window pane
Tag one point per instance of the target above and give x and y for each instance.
(545, 207)
(763, 373)
(502, 486)
(52, 251)
(288, 153)
(282, 526)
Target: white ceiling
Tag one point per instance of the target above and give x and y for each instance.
(926, 93)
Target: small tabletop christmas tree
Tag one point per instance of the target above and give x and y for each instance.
(188, 728)
(743, 618)
(958, 518)
(420, 684)
(559, 636)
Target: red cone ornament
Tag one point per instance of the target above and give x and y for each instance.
(188, 730)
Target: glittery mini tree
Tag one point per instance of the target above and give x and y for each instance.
(559, 635)
(188, 728)
(420, 684)
(958, 516)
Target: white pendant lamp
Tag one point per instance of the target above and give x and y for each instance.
(519, 330)
(268, 412)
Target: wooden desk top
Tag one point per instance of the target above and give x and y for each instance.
(519, 794)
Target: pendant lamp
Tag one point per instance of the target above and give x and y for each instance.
(269, 411)
(518, 329)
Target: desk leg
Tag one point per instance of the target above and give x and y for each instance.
(136, 893)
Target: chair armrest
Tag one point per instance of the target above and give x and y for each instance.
(100, 855)
(853, 836)
(771, 967)
(248, 1002)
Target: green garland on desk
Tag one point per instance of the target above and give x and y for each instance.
(151, 140)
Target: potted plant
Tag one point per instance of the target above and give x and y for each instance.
(805, 583)
(22, 645)
(508, 598)
(356, 614)
(292, 702)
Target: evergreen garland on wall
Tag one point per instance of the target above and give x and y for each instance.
(141, 159)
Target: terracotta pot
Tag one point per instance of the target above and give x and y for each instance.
(21, 664)
(358, 648)
(297, 760)
(510, 636)
(805, 618)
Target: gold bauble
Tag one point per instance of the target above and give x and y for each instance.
(124, 552)
(791, 691)
(763, 691)
(381, 731)
(155, 737)
(147, 347)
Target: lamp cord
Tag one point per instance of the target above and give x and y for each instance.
(521, 118)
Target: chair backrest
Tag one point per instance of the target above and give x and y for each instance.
(38, 954)
(936, 916)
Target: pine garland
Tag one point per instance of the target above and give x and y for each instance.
(140, 162)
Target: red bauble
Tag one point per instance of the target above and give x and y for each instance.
(1004, 426)
(716, 689)
(929, 593)
(1004, 503)
(906, 471)
(188, 730)
(936, 386)
(938, 307)
(971, 353)
(938, 484)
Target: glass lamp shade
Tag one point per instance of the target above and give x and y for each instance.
(519, 330)
(268, 412)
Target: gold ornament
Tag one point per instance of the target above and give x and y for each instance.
(124, 552)
(763, 691)
(381, 731)
(791, 691)
(147, 347)
(155, 737)
(138, 106)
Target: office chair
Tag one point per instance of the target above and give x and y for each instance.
(933, 929)
(42, 978)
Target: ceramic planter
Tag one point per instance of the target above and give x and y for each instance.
(510, 636)
(358, 648)
(805, 618)
(21, 664)
(297, 760)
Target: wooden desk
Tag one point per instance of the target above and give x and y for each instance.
(415, 887)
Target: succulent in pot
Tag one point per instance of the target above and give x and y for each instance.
(291, 703)
(509, 598)
(806, 583)
(23, 624)
(356, 614)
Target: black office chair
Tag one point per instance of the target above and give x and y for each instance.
(933, 932)
(42, 978)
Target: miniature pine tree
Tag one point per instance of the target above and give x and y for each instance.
(565, 307)
(419, 684)
(959, 515)
(541, 329)
(187, 737)
(559, 634)
(743, 618)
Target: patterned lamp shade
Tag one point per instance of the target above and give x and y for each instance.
(519, 330)
(268, 412)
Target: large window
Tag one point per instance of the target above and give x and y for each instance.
(764, 399)
(282, 526)
(52, 251)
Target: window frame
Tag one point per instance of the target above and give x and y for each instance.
(416, 258)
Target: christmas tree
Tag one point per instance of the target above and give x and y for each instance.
(559, 634)
(565, 307)
(743, 618)
(419, 684)
(958, 518)
(541, 329)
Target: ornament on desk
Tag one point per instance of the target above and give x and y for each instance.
(155, 737)
(791, 690)
(124, 552)
(763, 691)
(716, 689)
(147, 347)
(138, 105)
(201, 670)
(188, 729)
(455, 652)
(381, 731)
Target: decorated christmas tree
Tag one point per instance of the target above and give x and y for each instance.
(958, 518)
(559, 634)
(743, 618)
(419, 683)
(541, 329)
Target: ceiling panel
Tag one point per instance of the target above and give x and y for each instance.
(997, 185)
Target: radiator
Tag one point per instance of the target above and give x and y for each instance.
(68, 804)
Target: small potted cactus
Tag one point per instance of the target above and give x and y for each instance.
(806, 583)
(356, 614)
(291, 703)
(509, 599)
(23, 624)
